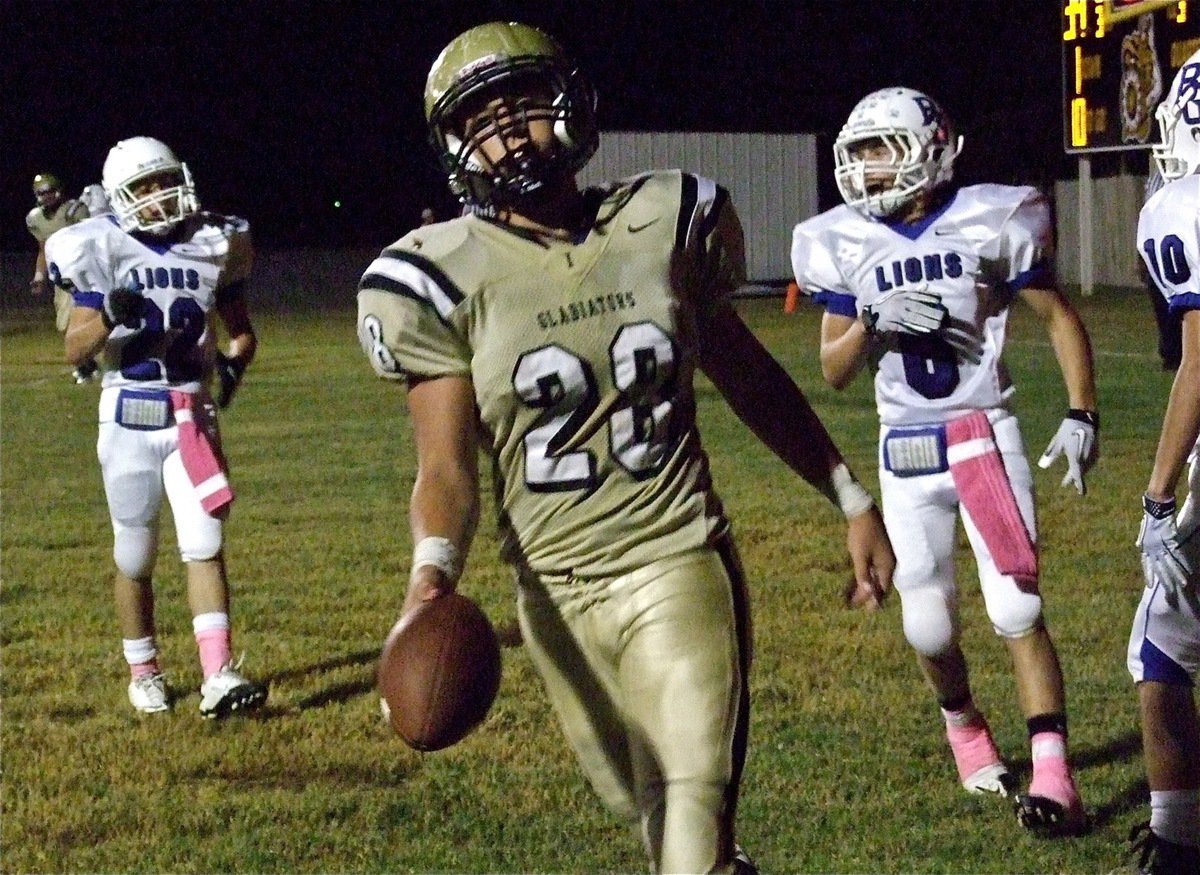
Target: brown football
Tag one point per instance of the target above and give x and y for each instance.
(439, 672)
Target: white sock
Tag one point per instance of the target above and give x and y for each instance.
(1175, 816)
(139, 649)
(968, 716)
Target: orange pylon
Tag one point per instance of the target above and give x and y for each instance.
(793, 295)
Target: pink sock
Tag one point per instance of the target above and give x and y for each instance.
(1051, 774)
(144, 669)
(215, 650)
(213, 640)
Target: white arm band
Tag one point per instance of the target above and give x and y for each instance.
(848, 494)
(441, 554)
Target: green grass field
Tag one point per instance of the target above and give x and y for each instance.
(847, 771)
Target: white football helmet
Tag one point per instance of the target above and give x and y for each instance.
(920, 150)
(1178, 152)
(155, 209)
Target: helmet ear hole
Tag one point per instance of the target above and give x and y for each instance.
(562, 129)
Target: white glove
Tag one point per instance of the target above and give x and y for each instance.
(1075, 439)
(1163, 560)
(907, 311)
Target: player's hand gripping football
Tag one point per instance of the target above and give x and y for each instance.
(906, 311)
(1163, 559)
(229, 372)
(1076, 439)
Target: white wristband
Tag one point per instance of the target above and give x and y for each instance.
(38, 276)
(848, 494)
(441, 554)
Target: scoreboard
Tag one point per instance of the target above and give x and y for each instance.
(1119, 57)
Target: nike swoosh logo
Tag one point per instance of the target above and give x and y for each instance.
(944, 232)
(633, 229)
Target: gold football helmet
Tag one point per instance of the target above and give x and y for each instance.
(523, 63)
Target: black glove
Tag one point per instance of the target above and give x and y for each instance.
(230, 371)
(122, 307)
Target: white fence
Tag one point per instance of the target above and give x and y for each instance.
(1116, 201)
(772, 179)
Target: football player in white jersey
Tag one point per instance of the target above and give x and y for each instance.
(569, 325)
(52, 213)
(148, 280)
(916, 278)
(1164, 645)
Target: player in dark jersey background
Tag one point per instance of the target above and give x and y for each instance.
(570, 324)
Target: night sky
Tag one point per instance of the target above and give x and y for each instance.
(282, 108)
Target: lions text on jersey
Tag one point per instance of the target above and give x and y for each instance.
(179, 279)
(582, 354)
(976, 251)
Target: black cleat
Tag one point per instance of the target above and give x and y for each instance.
(1049, 818)
(1153, 855)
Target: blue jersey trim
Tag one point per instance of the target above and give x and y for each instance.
(1183, 303)
(836, 303)
(915, 229)
(91, 300)
(1038, 276)
(1158, 667)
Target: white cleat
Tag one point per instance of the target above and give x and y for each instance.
(228, 691)
(993, 780)
(148, 694)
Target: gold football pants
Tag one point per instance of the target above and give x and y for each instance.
(63, 302)
(647, 673)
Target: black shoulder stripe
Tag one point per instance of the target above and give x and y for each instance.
(435, 273)
(687, 206)
(405, 273)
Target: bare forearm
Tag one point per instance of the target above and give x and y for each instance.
(1181, 424)
(445, 501)
(444, 506)
(844, 355)
(1074, 354)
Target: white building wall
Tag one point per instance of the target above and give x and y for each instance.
(772, 179)
(1116, 201)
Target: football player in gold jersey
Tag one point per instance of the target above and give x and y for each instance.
(563, 329)
(53, 212)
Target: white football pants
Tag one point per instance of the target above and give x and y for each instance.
(921, 515)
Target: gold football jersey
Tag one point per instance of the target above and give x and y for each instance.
(582, 355)
(42, 226)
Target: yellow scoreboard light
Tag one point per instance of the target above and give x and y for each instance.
(1119, 57)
